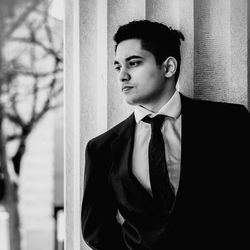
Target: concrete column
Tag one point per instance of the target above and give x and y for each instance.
(220, 50)
(238, 89)
(212, 49)
(248, 51)
(70, 204)
(166, 11)
(80, 106)
(186, 26)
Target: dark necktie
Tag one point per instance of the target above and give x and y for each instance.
(163, 192)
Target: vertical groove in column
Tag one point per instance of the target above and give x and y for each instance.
(88, 89)
(212, 49)
(76, 132)
(88, 68)
(102, 65)
(248, 53)
(186, 16)
(238, 84)
(68, 79)
(166, 11)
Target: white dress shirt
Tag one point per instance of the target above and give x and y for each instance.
(171, 131)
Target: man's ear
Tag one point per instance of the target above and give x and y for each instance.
(170, 66)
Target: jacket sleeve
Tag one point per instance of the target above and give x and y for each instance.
(100, 228)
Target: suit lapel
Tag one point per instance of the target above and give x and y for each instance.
(123, 144)
(122, 149)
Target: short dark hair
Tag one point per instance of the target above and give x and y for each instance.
(162, 41)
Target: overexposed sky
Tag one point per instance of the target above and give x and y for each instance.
(57, 9)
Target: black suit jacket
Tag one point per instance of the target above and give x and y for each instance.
(211, 207)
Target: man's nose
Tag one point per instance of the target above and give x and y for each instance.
(124, 76)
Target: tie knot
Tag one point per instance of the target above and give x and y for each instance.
(156, 122)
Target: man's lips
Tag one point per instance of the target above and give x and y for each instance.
(126, 88)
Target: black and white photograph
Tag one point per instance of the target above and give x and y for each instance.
(125, 124)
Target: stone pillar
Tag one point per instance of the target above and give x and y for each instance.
(220, 50)
(72, 123)
(238, 89)
(248, 52)
(166, 11)
(186, 25)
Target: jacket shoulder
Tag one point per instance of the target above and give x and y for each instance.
(216, 108)
(107, 137)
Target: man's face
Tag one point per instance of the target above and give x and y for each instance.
(142, 80)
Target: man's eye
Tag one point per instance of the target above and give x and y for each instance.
(134, 63)
(117, 68)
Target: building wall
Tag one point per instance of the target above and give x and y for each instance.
(214, 67)
(36, 196)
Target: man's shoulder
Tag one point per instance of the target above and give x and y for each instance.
(215, 107)
(107, 137)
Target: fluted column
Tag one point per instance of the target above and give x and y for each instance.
(238, 90)
(220, 50)
(81, 107)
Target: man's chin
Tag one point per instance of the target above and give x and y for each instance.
(131, 101)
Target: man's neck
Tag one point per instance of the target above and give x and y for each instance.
(154, 108)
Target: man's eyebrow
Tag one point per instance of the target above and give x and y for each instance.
(129, 58)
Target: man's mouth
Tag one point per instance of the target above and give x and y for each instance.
(126, 88)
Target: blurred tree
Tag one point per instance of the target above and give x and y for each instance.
(31, 67)
(31, 76)
(2, 143)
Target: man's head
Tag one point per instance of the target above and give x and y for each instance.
(147, 62)
(162, 41)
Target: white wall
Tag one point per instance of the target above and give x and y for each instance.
(36, 189)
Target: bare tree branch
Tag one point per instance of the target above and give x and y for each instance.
(14, 119)
(26, 79)
(33, 41)
(13, 137)
(33, 5)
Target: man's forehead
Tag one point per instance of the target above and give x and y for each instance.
(128, 48)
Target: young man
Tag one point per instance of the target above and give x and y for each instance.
(173, 173)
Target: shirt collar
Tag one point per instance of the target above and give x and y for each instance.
(171, 109)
